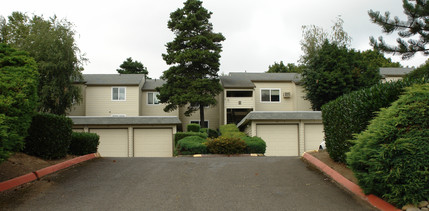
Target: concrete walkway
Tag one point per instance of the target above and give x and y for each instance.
(234, 183)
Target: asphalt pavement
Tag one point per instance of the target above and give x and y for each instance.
(184, 183)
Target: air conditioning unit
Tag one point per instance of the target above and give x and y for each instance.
(286, 94)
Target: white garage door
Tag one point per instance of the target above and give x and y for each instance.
(113, 142)
(281, 140)
(153, 142)
(313, 136)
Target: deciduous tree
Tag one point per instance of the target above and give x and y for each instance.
(18, 98)
(281, 68)
(193, 56)
(51, 43)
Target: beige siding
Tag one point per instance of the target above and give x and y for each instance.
(79, 109)
(99, 101)
(211, 114)
(301, 103)
(154, 110)
(285, 104)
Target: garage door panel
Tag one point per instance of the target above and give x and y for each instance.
(113, 142)
(313, 136)
(281, 140)
(153, 142)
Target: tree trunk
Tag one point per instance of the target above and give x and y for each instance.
(202, 116)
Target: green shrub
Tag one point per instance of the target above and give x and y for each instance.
(255, 144)
(231, 131)
(193, 128)
(180, 135)
(228, 128)
(223, 145)
(18, 98)
(84, 143)
(419, 73)
(351, 113)
(210, 132)
(49, 136)
(391, 158)
(191, 145)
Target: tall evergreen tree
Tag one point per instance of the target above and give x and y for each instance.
(132, 67)
(417, 24)
(59, 62)
(193, 56)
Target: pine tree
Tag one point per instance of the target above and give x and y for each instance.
(417, 24)
(192, 79)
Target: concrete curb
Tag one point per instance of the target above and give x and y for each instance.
(348, 185)
(6, 185)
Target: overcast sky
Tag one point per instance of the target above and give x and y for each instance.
(258, 33)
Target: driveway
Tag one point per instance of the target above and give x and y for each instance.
(234, 183)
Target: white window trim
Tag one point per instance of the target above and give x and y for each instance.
(147, 99)
(125, 93)
(208, 122)
(280, 93)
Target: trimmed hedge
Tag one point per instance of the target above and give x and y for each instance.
(191, 145)
(84, 143)
(223, 145)
(351, 113)
(49, 136)
(391, 158)
(180, 135)
(210, 132)
(193, 128)
(255, 144)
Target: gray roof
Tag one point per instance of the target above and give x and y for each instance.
(245, 80)
(281, 115)
(138, 120)
(113, 79)
(151, 84)
(395, 71)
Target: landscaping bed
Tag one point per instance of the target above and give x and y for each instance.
(20, 164)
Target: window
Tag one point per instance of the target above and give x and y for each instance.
(239, 93)
(270, 95)
(118, 93)
(152, 98)
(206, 123)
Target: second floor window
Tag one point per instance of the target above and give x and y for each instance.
(118, 93)
(270, 95)
(152, 99)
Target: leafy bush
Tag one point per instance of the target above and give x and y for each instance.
(228, 128)
(255, 144)
(421, 72)
(49, 136)
(391, 158)
(351, 113)
(193, 128)
(191, 145)
(18, 98)
(223, 145)
(210, 132)
(231, 131)
(84, 143)
(180, 135)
